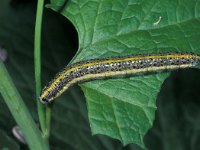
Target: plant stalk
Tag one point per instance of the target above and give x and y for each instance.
(43, 111)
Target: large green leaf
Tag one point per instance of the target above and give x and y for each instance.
(124, 109)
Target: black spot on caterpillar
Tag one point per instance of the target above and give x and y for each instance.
(115, 67)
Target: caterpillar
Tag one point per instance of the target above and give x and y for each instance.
(115, 67)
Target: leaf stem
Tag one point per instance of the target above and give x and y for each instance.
(48, 121)
(43, 111)
(20, 112)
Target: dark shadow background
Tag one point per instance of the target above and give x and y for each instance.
(176, 126)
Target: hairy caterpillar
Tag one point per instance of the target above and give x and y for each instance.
(115, 67)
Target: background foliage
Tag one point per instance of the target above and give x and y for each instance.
(177, 118)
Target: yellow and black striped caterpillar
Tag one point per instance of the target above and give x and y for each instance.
(115, 67)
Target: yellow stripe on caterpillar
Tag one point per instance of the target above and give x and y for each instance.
(115, 67)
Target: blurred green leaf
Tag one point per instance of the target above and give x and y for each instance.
(7, 142)
(124, 109)
(176, 126)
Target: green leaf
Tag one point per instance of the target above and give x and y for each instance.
(124, 109)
